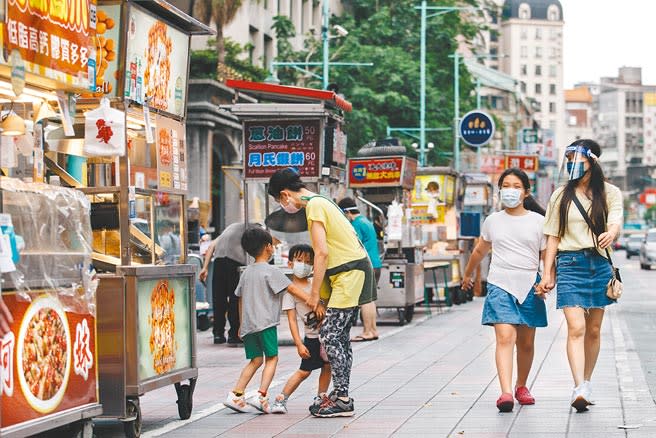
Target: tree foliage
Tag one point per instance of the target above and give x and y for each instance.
(387, 33)
(204, 62)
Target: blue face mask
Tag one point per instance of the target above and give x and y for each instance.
(575, 170)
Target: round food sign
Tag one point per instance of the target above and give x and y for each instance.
(476, 128)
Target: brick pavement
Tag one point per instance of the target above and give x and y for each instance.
(434, 378)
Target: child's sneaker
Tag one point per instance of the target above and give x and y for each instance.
(317, 402)
(260, 403)
(236, 402)
(279, 405)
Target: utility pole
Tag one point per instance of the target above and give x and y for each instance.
(326, 42)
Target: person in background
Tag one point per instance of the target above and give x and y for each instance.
(260, 292)
(513, 305)
(301, 259)
(582, 270)
(229, 256)
(367, 235)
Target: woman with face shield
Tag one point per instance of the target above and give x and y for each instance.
(578, 251)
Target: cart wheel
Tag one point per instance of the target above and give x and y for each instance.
(132, 428)
(185, 402)
(203, 322)
(409, 313)
(401, 312)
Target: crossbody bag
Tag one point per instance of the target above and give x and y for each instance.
(614, 288)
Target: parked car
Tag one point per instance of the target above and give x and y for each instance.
(633, 245)
(648, 250)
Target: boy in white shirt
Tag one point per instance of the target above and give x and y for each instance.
(309, 349)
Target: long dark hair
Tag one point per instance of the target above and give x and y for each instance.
(529, 202)
(597, 188)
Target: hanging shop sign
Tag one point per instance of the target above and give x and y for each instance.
(527, 163)
(55, 39)
(156, 63)
(476, 128)
(382, 172)
(493, 164)
(164, 336)
(171, 154)
(275, 144)
(108, 28)
(48, 359)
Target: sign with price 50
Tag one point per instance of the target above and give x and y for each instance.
(274, 144)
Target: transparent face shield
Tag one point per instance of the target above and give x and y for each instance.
(576, 163)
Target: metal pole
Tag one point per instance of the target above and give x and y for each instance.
(422, 88)
(478, 107)
(456, 111)
(324, 38)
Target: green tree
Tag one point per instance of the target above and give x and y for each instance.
(203, 63)
(221, 13)
(386, 32)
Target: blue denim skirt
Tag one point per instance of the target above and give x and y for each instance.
(503, 308)
(581, 279)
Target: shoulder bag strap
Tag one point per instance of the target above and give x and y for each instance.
(589, 222)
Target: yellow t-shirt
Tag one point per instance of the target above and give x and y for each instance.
(343, 247)
(577, 233)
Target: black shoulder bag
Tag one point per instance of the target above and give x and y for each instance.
(614, 288)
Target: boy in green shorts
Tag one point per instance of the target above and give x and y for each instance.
(259, 292)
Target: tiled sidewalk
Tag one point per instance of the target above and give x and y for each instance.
(438, 379)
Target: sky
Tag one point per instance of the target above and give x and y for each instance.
(602, 35)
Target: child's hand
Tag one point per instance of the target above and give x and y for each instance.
(303, 351)
(321, 311)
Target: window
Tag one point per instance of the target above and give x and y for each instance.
(552, 125)
(553, 53)
(538, 88)
(538, 70)
(524, 11)
(553, 34)
(523, 52)
(523, 33)
(522, 86)
(524, 69)
(552, 89)
(553, 71)
(553, 13)
(552, 107)
(538, 52)
(538, 33)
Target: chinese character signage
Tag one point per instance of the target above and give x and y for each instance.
(156, 63)
(54, 38)
(274, 144)
(527, 163)
(108, 29)
(493, 164)
(171, 154)
(164, 326)
(382, 172)
(48, 359)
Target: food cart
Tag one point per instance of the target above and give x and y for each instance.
(386, 181)
(435, 211)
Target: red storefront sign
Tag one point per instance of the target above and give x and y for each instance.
(57, 36)
(382, 172)
(276, 144)
(527, 163)
(493, 164)
(48, 358)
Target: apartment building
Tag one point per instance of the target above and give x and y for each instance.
(578, 112)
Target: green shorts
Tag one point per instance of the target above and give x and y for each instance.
(264, 343)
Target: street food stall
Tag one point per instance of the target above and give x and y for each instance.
(385, 181)
(290, 127)
(435, 211)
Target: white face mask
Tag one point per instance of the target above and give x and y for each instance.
(290, 207)
(302, 270)
(510, 198)
(433, 195)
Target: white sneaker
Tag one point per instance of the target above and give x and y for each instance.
(260, 403)
(236, 402)
(587, 391)
(579, 400)
(279, 405)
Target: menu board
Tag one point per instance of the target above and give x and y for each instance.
(275, 144)
(48, 359)
(55, 39)
(171, 154)
(156, 63)
(382, 172)
(164, 327)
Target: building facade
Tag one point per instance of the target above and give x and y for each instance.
(531, 50)
(579, 112)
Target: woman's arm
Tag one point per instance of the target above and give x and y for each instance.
(480, 251)
(320, 247)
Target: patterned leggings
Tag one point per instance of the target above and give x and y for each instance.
(335, 335)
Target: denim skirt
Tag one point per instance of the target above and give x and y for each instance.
(581, 279)
(503, 308)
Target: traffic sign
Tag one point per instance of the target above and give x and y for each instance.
(476, 128)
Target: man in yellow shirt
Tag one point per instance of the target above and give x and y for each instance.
(343, 279)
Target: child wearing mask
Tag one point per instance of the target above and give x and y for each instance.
(301, 258)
